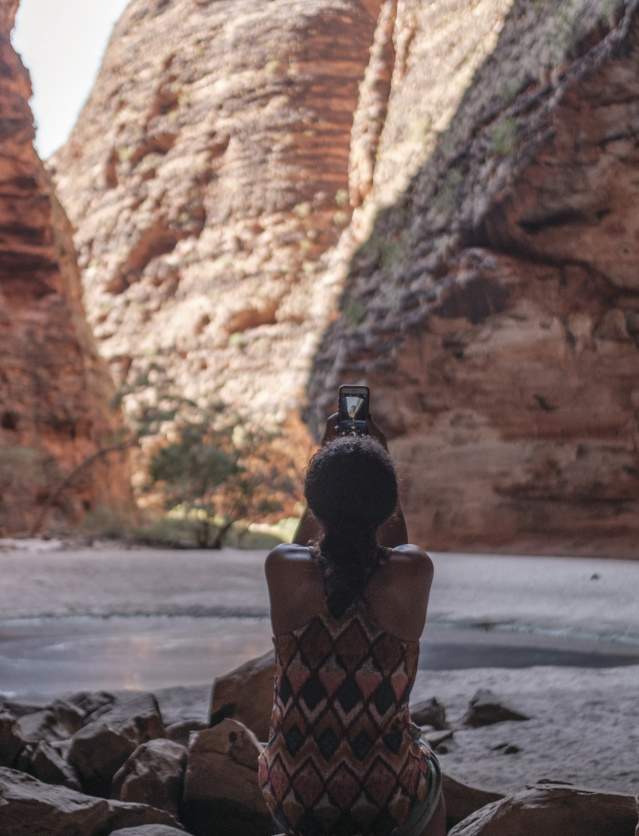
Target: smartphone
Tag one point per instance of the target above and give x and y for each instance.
(353, 410)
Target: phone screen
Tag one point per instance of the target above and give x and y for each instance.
(353, 405)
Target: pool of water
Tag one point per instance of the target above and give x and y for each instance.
(51, 655)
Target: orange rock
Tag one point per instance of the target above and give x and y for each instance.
(492, 305)
(484, 286)
(55, 393)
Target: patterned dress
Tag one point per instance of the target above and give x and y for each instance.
(343, 757)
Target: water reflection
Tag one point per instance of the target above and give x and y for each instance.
(50, 656)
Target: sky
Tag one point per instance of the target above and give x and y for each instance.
(62, 44)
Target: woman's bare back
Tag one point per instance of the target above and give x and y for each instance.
(397, 592)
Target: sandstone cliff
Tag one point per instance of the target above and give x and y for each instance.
(55, 393)
(494, 303)
(206, 176)
(484, 286)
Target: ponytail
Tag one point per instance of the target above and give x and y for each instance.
(347, 557)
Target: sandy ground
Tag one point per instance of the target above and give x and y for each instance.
(557, 638)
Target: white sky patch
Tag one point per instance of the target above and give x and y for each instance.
(62, 44)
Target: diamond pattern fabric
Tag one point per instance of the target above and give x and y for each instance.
(341, 758)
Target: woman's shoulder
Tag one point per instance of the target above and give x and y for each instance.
(407, 557)
(287, 554)
(410, 557)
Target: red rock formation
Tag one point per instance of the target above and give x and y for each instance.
(55, 394)
(489, 294)
(496, 298)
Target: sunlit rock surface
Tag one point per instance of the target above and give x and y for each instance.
(55, 394)
(434, 198)
(207, 175)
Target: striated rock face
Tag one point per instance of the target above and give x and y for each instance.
(55, 394)
(494, 303)
(484, 285)
(207, 175)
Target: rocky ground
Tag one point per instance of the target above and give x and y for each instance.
(93, 763)
(582, 722)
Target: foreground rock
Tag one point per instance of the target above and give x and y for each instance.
(113, 733)
(11, 740)
(221, 792)
(486, 708)
(553, 810)
(62, 718)
(429, 713)
(29, 807)
(148, 830)
(153, 774)
(183, 703)
(246, 694)
(462, 800)
(47, 764)
(437, 739)
(56, 396)
(20, 709)
(181, 732)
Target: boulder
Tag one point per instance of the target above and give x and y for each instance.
(429, 713)
(149, 830)
(437, 738)
(29, 807)
(184, 703)
(113, 733)
(11, 740)
(180, 732)
(89, 703)
(20, 709)
(462, 800)
(57, 721)
(221, 792)
(153, 774)
(60, 719)
(23, 761)
(47, 764)
(553, 809)
(485, 708)
(246, 694)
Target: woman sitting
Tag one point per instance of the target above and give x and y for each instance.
(348, 606)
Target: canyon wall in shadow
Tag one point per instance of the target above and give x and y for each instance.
(493, 305)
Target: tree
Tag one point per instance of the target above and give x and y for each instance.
(207, 462)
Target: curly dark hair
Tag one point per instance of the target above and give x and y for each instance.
(351, 488)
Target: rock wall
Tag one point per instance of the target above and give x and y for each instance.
(207, 176)
(55, 394)
(493, 304)
(435, 198)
